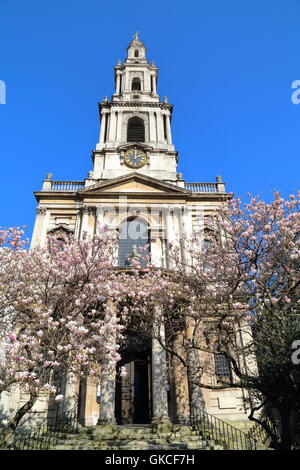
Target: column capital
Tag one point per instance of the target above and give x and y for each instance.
(41, 210)
(87, 209)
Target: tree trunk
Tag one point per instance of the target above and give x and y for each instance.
(285, 431)
(11, 428)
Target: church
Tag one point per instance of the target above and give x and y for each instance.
(134, 188)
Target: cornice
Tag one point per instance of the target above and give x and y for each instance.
(134, 104)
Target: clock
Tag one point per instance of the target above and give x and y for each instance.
(135, 158)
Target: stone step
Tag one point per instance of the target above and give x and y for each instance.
(165, 437)
(136, 445)
(140, 437)
(88, 441)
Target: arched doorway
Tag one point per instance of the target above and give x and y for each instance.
(133, 400)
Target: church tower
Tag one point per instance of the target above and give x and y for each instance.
(134, 181)
(135, 129)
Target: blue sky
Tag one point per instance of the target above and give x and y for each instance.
(227, 66)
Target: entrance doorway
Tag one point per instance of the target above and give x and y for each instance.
(133, 392)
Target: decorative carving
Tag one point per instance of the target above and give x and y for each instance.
(140, 104)
(139, 75)
(41, 210)
(61, 232)
(86, 209)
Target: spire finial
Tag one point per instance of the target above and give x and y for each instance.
(136, 35)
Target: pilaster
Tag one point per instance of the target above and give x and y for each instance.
(40, 227)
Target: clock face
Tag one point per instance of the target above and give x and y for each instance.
(135, 158)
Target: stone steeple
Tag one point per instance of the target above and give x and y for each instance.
(135, 120)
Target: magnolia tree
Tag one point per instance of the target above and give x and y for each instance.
(231, 316)
(58, 312)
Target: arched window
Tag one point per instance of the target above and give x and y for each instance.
(135, 130)
(136, 84)
(136, 53)
(133, 236)
(222, 365)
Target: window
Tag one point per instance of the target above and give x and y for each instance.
(135, 130)
(136, 53)
(222, 366)
(136, 84)
(134, 234)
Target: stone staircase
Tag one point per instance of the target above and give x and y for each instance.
(137, 437)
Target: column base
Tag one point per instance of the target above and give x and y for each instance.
(105, 422)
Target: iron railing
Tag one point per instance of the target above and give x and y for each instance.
(44, 436)
(212, 428)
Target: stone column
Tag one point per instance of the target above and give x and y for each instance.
(181, 383)
(85, 213)
(195, 393)
(160, 127)
(108, 116)
(152, 126)
(159, 379)
(102, 127)
(155, 251)
(169, 135)
(108, 383)
(90, 408)
(118, 84)
(71, 393)
(99, 219)
(39, 226)
(107, 396)
(77, 225)
(119, 127)
(112, 126)
(186, 233)
(154, 84)
(169, 231)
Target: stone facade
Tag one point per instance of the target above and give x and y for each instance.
(119, 188)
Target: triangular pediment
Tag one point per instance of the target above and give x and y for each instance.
(133, 183)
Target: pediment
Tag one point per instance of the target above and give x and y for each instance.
(133, 183)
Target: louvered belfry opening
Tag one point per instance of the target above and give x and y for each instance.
(136, 130)
(136, 84)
